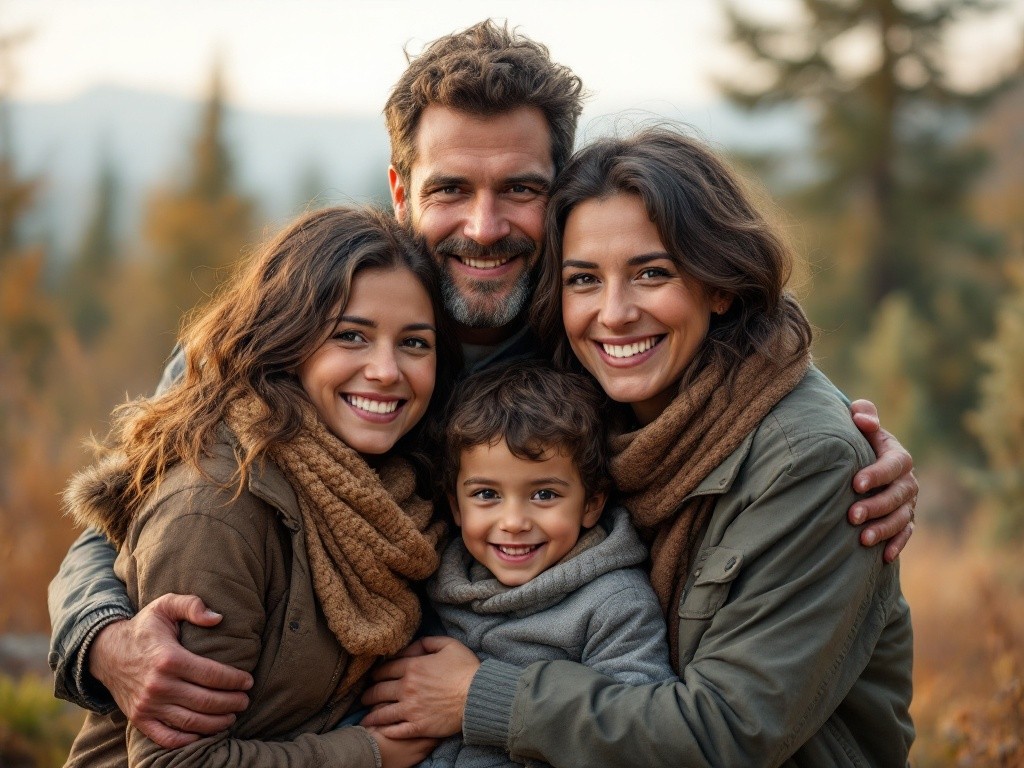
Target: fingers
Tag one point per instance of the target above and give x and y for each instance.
(892, 464)
(864, 409)
(415, 648)
(186, 721)
(897, 543)
(901, 492)
(435, 643)
(887, 527)
(382, 693)
(168, 738)
(213, 675)
(384, 715)
(190, 608)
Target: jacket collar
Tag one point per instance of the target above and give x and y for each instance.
(266, 481)
(721, 478)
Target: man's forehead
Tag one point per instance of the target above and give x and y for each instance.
(452, 145)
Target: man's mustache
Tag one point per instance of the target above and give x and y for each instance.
(506, 248)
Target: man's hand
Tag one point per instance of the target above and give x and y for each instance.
(892, 508)
(422, 692)
(168, 693)
(401, 753)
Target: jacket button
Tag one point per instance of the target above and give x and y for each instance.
(293, 626)
(730, 564)
(696, 574)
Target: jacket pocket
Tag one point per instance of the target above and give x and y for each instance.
(711, 581)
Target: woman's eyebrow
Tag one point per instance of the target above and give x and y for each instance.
(642, 258)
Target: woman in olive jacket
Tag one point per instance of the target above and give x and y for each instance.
(734, 456)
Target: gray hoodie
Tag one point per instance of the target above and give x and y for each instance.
(595, 606)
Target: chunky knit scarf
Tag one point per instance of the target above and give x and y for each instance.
(657, 466)
(367, 536)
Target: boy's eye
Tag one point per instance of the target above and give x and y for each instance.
(485, 494)
(545, 494)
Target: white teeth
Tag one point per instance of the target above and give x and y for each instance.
(516, 551)
(372, 406)
(484, 263)
(628, 350)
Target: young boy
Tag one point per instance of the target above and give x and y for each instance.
(535, 576)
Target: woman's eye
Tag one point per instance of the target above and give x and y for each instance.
(348, 336)
(416, 342)
(580, 279)
(650, 273)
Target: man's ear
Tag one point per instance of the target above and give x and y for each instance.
(593, 509)
(453, 505)
(399, 199)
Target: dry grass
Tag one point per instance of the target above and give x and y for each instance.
(967, 601)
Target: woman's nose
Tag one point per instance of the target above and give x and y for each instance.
(383, 366)
(618, 307)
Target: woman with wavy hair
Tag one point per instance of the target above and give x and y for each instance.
(276, 481)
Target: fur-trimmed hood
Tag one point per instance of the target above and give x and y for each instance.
(97, 497)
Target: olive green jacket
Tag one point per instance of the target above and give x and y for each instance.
(246, 557)
(795, 641)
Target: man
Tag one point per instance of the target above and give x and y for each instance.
(480, 123)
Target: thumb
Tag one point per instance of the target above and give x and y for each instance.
(190, 608)
(435, 643)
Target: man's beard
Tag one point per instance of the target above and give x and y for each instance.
(476, 311)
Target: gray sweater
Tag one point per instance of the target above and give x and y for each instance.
(595, 607)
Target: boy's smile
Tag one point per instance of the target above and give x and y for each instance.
(518, 516)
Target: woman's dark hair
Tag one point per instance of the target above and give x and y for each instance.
(709, 227)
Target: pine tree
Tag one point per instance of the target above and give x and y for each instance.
(998, 421)
(88, 277)
(203, 224)
(893, 174)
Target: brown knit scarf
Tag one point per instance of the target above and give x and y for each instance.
(656, 466)
(367, 535)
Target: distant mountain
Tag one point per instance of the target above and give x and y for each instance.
(280, 158)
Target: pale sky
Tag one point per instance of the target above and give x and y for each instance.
(338, 56)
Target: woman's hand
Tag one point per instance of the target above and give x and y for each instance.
(422, 692)
(401, 753)
(892, 508)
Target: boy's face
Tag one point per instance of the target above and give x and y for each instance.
(519, 517)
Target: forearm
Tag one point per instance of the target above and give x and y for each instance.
(84, 597)
(351, 747)
(771, 667)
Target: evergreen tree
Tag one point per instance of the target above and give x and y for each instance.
(87, 279)
(998, 421)
(893, 171)
(202, 224)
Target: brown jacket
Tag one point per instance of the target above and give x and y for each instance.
(246, 557)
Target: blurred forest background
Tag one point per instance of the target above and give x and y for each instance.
(904, 193)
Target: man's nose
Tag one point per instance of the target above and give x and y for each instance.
(486, 223)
